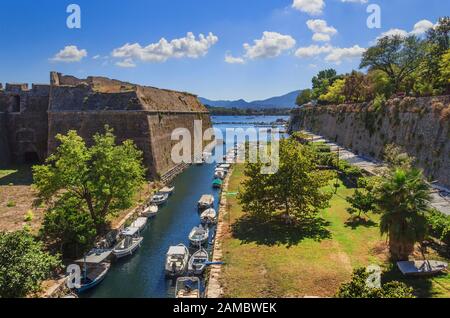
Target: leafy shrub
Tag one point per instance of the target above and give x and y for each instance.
(11, 204)
(358, 288)
(439, 225)
(29, 216)
(23, 264)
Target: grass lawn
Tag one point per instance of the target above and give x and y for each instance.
(272, 261)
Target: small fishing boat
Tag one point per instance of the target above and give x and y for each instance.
(140, 223)
(167, 190)
(219, 175)
(206, 202)
(187, 287)
(217, 183)
(150, 211)
(422, 268)
(197, 262)
(225, 166)
(198, 236)
(94, 267)
(130, 242)
(159, 198)
(209, 216)
(177, 259)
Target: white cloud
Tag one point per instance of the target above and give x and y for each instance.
(393, 32)
(96, 57)
(127, 63)
(333, 54)
(322, 32)
(271, 44)
(189, 47)
(233, 60)
(313, 50)
(422, 27)
(312, 7)
(337, 55)
(69, 54)
(320, 37)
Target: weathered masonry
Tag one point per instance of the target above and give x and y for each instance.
(420, 125)
(31, 118)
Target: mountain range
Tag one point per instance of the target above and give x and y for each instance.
(284, 101)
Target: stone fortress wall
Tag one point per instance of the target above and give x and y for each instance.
(146, 115)
(420, 125)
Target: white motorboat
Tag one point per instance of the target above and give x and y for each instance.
(219, 175)
(177, 259)
(197, 262)
(150, 211)
(188, 287)
(209, 216)
(159, 198)
(140, 223)
(167, 190)
(225, 166)
(206, 202)
(129, 243)
(199, 236)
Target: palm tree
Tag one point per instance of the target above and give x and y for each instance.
(403, 199)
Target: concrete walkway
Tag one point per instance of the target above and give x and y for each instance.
(373, 167)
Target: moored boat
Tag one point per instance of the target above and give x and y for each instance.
(208, 216)
(187, 287)
(167, 190)
(150, 211)
(130, 242)
(206, 202)
(199, 236)
(177, 259)
(94, 268)
(217, 183)
(197, 262)
(159, 198)
(140, 223)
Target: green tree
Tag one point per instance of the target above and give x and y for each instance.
(444, 69)
(403, 200)
(362, 202)
(397, 158)
(295, 190)
(69, 226)
(322, 81)
(358, 288)
(105, 177)
(397, 56)
(304, 97)
(335, 93)
(23, 264)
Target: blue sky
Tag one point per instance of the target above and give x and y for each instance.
(36, 40)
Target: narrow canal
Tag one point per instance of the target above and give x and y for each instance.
(142, 275)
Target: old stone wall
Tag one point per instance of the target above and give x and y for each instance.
(421, 126)
(4, 147)
(151, 132)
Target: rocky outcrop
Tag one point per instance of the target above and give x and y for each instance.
(420, 125)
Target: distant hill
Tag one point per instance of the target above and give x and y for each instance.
(284, 101)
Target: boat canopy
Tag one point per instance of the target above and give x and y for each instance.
(206, 199)
(95, 256)
(176, 250)
(130, 231)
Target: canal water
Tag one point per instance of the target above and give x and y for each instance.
(142, 275)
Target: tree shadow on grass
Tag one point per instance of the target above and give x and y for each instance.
(356, 222)
(249, 229)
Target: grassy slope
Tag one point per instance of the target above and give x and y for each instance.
(299, 266)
